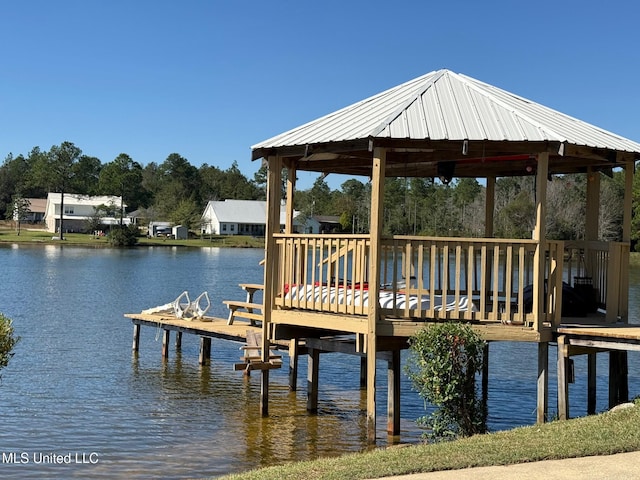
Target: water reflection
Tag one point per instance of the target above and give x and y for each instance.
(74, 385)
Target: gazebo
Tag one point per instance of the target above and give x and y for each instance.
(379, 290)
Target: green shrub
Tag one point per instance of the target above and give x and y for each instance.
(443, 361)
(7, 340)
(123, 236)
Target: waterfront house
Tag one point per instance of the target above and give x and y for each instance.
(35, 213)
(321, 224)
(79, 211)
(236, 217)
(441, 125)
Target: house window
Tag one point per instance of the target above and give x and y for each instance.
(224, 227)
(232, 227)
(68, 210)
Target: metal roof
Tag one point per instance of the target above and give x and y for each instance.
(439, 107)
(242, 211)
(77, 199)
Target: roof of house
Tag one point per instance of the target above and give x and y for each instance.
(37, 205)
(326, 218)
(434, 111)
(72, 198)
(242, 211)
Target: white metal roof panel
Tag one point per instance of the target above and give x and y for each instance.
(443, 105)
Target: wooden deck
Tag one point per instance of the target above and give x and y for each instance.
(207, 328)
(608, 336)
(590, 339)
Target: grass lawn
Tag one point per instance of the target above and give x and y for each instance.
(603, 434)
(27, 236)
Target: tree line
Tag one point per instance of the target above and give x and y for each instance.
(176, 191)
(172, 190)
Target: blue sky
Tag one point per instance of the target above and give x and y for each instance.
(208, 79)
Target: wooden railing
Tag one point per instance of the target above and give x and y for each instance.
(480, 280)
(492, 275)
(600, 269)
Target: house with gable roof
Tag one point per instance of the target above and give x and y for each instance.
(79, 210)
(237, 217)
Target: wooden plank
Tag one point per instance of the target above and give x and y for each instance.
(340, 323)
(628, 332)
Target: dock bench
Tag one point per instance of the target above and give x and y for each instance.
(243, 310)
(246, 309)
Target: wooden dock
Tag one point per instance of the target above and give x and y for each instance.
(590, 339)
(207, 328)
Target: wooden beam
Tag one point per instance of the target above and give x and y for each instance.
(591, 383)
(274, 184)
(291, 188)
(489, 206)
(593, 205)
(539, 235)
(166, 333)
(205, 351)
(393, 394)
(563, 381)
(543, 382)
(293, 364)
(313, 370)
(485, 382)
(377, 198)
(628, 200)
(136, 337)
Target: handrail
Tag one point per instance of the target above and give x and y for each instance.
(479, 279)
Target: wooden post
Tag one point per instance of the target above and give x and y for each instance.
(291, 188)
(485, 382)
(205, 350)
(490, 194)
(271, 268)
(136, 337)
(592, 220)
(313, 369)
(627, 211)
(377, 197)
(539, 297)
(591, 383)
(165, 343)
(618, 379)
(393, 393)
(613, 379)
(293, 364)
(363, 372)
(178, 340)
(539, 235)
(543, 382)
(563, 381)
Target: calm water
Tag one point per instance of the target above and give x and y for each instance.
(74, 387)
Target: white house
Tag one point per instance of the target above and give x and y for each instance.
(321, 224)
(79, 210)
(35, 213)
(237, 217)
